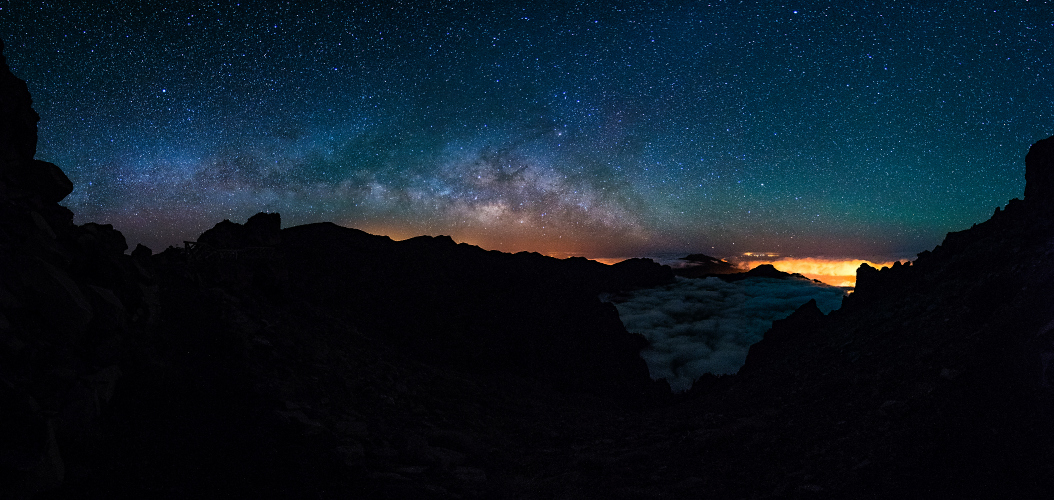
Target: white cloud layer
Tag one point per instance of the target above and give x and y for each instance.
(695, 326)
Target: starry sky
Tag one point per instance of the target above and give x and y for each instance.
(589, 128)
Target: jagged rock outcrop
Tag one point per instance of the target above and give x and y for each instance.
(1039, 173)
(18, 130)
(324, 362)
(261, 230)
(455, 304)
(933, 377)
(33, 182)
(260, 361)
(487, 311)
(68, 297)
(358, 364)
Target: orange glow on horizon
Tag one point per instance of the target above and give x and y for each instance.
(835, 272)
(608, 260)
(501, 243)
(395, 234)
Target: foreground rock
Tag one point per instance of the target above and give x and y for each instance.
(487, 312)
(69, 302)
(332, 360)
(316, 361)
(932, 379)
(324, 362)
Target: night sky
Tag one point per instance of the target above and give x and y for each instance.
(590, 128)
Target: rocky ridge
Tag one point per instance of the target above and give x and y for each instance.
(324, 362)
(932, 379)
(703, 266)
(288, 362)
(70, 304)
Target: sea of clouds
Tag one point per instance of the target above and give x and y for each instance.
(695, 326)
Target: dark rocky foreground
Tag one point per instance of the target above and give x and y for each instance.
(323, 362)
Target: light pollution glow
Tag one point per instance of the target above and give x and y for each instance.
(831, 271)
(835, 272)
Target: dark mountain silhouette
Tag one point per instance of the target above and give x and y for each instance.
(762, 271)
(701, 266)
(933, 379)
(324, 362)
(263, 361)
(704, 266)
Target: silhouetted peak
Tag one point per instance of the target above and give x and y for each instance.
(699, 257)
(762, 271)
(773, 346)
(767, 271)
(440, 241)
(809, 312)
(322, 235)
(1039, 173)
(18, 121)
(261, 230)
(21, 177)
(702, 265)
(142, 251)
(264, 229)
(642, 272)
(980, 248)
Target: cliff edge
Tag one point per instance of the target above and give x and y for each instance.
(935, 376)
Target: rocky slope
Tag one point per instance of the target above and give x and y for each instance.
(933, 379)
(70, 305)
(324, 362)
(300, 362)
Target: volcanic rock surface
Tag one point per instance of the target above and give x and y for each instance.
(323, 362)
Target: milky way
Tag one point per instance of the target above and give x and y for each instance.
(587, 127)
